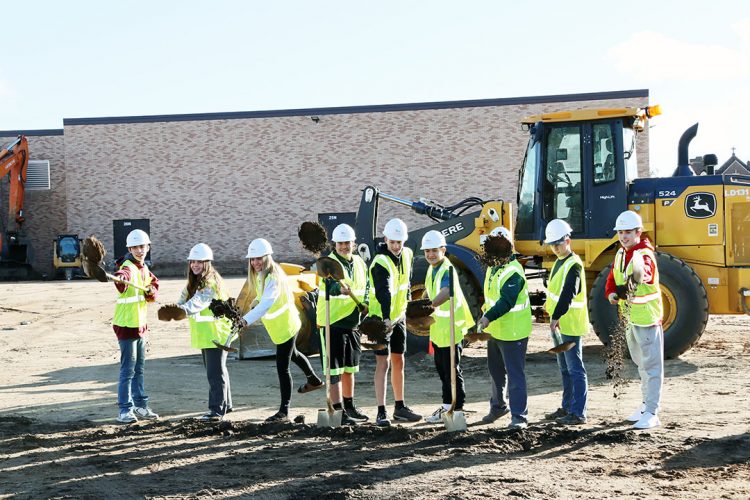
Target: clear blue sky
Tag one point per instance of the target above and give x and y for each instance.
(71, 59)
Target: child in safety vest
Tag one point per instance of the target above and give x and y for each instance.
(203, 285)
(507, 318)
(275, 307)
(634, 278)
(344, 316)
(390, 282)
(569, 322)
(129, 324)
(437, 289)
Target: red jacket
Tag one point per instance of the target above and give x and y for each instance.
(648, 269)
(124, 332)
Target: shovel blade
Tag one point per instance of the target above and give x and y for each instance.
(223, 347)
(565, 346)
(329, 418)
(455, 421)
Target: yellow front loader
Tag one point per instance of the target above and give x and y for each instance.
(581, 166)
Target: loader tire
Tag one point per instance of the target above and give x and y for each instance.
(684, 299)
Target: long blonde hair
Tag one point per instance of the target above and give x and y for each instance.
(200, 281)
(270, 267)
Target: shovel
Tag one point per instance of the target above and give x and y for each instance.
(328, 417)
(227, 346)
(455, 421)
(330, 268)
(97, 272)
(558, 345)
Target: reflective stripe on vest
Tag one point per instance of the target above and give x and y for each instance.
(440, 333)
(398, 284)
(282, 319)
(205, 327)
(516, 323)
(646, 304)
(131, 308)
(342, 306)
(130, 300)
(575, 322)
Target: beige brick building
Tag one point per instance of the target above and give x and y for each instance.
(227, 178)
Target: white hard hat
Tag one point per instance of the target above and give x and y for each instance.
(396, 230)
(258, 248)
(136, 238)
(343, 233)
(432, 239)
(201, 251)
(556, 231)
(628, 220)
(502, 231)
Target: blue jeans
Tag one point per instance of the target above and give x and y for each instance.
(506, 361)
(130, 389)
(574, 381)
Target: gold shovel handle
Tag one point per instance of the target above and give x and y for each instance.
(126, 282)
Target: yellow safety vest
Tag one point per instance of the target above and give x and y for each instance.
(516, 323)
(205, 327)
(131, 309)
(398, 284)
(575, 322)
(440, 333)
(343, 305)
(282, 320)
(646, 306)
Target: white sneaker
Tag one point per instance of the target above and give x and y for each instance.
(436, 417)
(127, 417)
(145, 413)
(647, 421)
(636, 415)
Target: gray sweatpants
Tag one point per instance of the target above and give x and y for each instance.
(646, 346)
(219, 391)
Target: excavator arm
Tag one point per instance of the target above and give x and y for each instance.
(14, 161)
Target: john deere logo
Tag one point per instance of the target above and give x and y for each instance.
(700, 205)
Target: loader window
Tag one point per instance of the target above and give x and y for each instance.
(631, 159)
(562, 186)
(68, 249)
(527, 189)
(604, 154)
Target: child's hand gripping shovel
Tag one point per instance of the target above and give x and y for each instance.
(454, 420)
(329, 268)
(328, 417)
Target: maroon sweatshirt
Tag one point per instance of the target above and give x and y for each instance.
(124, 332)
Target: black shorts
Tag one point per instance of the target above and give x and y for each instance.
(397, 343)
(345, 351)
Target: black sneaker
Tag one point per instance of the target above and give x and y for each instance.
(346, 419)
(559, 413)
(492, 416)
(278, 417)
(382, 420)
(404, 414)
(571, 419)
(357, 415)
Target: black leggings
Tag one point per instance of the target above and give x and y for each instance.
(285, 353)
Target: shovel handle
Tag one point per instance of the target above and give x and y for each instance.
(126, 282)
(360, 306)
(329, 404)
(451, 293)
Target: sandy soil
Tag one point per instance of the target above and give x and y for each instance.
(58, 437)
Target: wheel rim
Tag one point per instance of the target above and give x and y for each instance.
(669, 304)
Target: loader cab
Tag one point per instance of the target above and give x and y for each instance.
(577, 171)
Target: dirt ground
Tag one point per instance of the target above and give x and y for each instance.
(59, 439)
